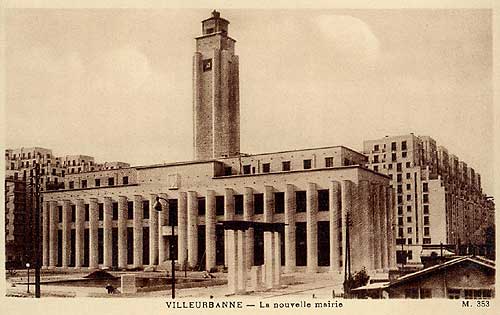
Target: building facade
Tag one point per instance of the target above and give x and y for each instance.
(326, 197)
(439, 199)
(19, 189)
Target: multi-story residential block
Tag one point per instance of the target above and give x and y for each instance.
(19, 186)
(438, 197)
(105, 218)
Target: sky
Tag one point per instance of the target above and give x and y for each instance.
(116, 84)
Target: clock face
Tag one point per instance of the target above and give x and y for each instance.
(207, 64)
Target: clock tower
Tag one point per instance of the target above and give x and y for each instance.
(216, 105)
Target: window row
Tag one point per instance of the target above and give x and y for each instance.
(285, 166)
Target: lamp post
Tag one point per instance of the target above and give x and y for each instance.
(158, 207)
(28, 266)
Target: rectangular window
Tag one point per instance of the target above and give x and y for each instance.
(219, 205)
(300, 200)
(246, 169)
(408, 164)
(426, 209)
(71, 185)
(400, 220)
(400, 189)
(408, 219)
(238, 204)
(285, 165)
(426, 198)
(376, 147)
(408, 208)
(400, 199)
(111, 181)
(97, 182)
(101, 211)
(87, 212)
(84, 183)
(426, 220)
(400, 209)
(389, 166)
(73, 213)
(323, 200)
(426, 231)
(201, 206)
(115, 210)
(400, 232)
(54, 171)
(125, 180)
(228, 171)
(410, 241)
(258, 203)
(408, 176)
(329, 162)
(375, 159)
(145, 209)
(394, 157)
(408, 197)
(130, 210)
(399, 178)
(399, 167)
(266, 167)
(453, 294)
(404, 154)
(409, 231)
(425, 187)
(426, 240)
(279, 202)
(375, 168)
(307, 164)
(408, 186)
(393, 146)
(403, 145)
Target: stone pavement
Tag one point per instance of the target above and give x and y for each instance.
(316, 285)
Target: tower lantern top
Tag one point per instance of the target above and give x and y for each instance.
(215, 24)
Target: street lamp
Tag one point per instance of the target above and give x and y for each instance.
(158, 207)
(28, 266)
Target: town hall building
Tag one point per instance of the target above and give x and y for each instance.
(331, 204)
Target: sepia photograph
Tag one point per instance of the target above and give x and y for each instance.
(255, 159)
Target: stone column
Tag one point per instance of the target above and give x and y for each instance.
(79, 224)
(192, 228)
(383, 227)
(346, 197)
(375, 243)
(269, 259)
(335, 215)
(290, 205)
(268, 217)
(241, 263)
(232, 268)
(391, 252)
(93, 234)
(312, 227)
(45, 234)
(248, 212)
(153, 232)
(268, 204)
(366, 234)
(182, 229)
(277, 260)
(53, 221)
(138, 235)
(228, 215)
(210, 230)
(162, 221)
(66, 233)
(108, 233)
(122, 232)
